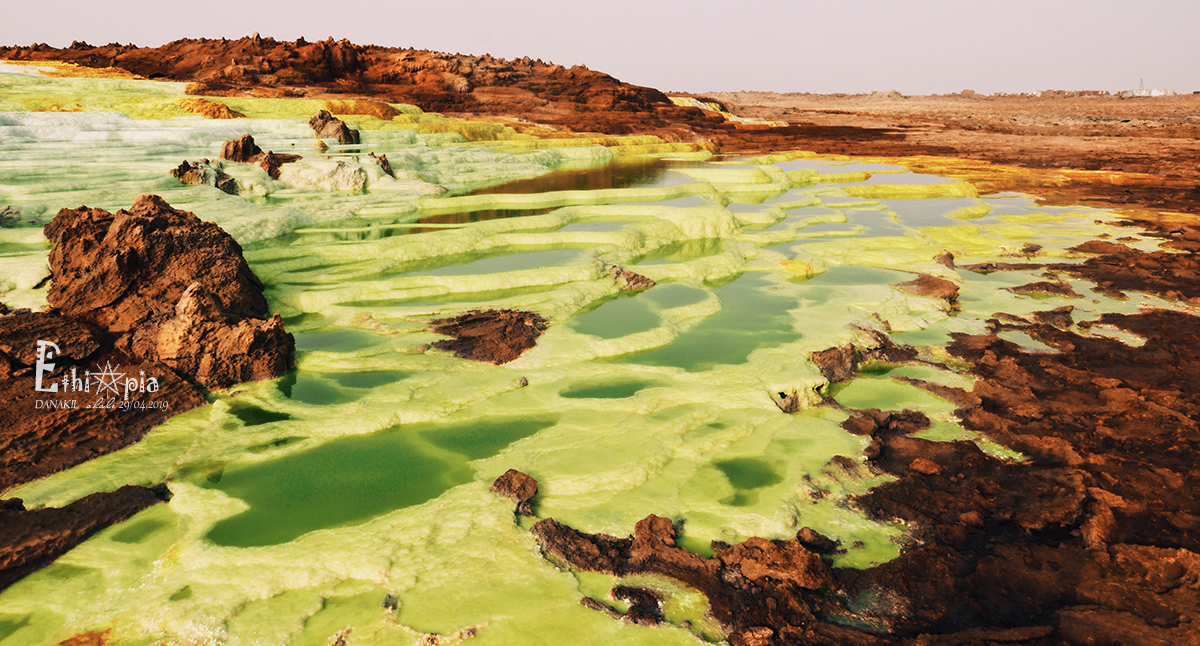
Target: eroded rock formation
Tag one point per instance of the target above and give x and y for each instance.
(839, 364)
(329, 127)
(38, 438)
(149, 306)
(205, 173)
(169, 288)
(32, 539)
(244, 150)
(517, 487)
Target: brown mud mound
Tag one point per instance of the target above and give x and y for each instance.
(209, 109)
(1047, 288)
(32, 539)
(494, 336)
(931, 286)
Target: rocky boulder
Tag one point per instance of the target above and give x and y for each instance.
(243, 150)
(329, 127)
(205, 173)
(127, 273)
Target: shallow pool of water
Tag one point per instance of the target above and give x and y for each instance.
(751, 317)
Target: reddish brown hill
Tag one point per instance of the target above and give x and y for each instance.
(446, 82)
(1043, 134)
(575, 98)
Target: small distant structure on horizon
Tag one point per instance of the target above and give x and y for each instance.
(1155, 92)
(1063, 94)
(1142, 91)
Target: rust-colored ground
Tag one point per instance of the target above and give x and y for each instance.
(1102, 150)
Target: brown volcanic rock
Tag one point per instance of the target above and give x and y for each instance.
(517, 487)
(219, 350)
(494, 336)
(1094, 538)
(754, 583)
(20, 331)
(931, 286)
(205, 173)
(151, 303)
(128, 272)
(840, 363)
(36, 439)
(245, 151)
(1117, 268)
(837, 364)
(32, 539)
(328, 127)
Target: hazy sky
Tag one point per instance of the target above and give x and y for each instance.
(914, 46)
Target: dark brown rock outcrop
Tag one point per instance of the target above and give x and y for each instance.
(1116, 268)
(931, 286)
(149, 307)
(45, 432)
(244, 150)
(841, 363)
(329, 127)
(494, 336)
(32, 539)
(517, 487)
(205, 173)
(169, 288)
(749, 585)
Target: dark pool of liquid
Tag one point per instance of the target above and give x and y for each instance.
(606, 390)
(747, 475)
(350, 480)
(621, 174)
(751, 317)
(621, 316)
(680, 252)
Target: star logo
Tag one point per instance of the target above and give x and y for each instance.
(108, 379)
